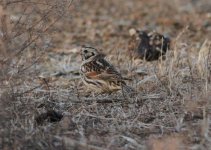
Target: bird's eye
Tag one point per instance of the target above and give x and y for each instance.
(85, 51)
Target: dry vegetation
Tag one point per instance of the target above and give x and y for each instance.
(44, 105)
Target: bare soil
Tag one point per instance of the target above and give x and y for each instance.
(44, 104)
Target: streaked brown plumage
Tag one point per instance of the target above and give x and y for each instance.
(99, 75)
(147, 45)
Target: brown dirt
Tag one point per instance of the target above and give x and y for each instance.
(172, 110)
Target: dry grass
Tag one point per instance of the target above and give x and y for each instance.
(166, 143)
(39, 60)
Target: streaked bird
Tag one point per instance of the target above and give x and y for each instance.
(99, 75)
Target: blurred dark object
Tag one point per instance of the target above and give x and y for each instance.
(147, 45)
(49, 116)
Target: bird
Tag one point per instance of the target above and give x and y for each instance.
(147, 45)
(100, 75)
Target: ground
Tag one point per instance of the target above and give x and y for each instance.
(44, 104)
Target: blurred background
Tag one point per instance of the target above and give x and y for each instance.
(39, 71)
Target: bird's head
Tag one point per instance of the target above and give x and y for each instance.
(89, 53)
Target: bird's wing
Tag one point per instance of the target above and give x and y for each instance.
(108, 72)
(101, 69)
